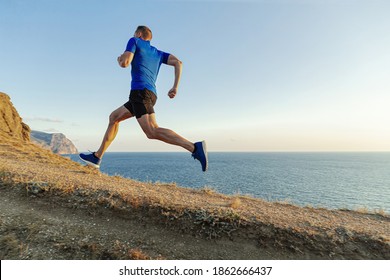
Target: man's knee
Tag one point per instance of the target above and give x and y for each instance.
(149, 126)
(116, 117)
(151, 134)
(119, 115)
(113, 118)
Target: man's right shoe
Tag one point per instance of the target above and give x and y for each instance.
(200, 154)
(90, 159)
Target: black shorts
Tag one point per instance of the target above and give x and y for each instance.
(141, 102)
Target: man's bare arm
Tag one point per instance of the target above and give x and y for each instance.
(125, 59)
(174, 61)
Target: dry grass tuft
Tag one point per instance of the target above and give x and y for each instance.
(207, 190)
(137, 254)
(235, 203)
(362, 209)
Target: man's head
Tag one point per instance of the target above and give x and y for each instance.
(143, 32)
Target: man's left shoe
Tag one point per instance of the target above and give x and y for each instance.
(200, 154)
(91, 159)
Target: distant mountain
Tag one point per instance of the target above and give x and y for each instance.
(56, 142)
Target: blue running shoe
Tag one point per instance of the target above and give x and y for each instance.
(200, 154)
(91, 159)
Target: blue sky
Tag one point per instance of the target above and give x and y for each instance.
(276, 75)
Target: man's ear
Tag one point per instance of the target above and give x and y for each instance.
(138, 34)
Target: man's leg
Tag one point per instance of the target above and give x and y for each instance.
(120, 114)
(153, 131)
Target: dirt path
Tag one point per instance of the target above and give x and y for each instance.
(46, 228)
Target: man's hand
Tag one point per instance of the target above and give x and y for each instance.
(172, 92)
(125, 59)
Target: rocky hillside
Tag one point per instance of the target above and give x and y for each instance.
(10, 121)
(56, 142)
(11, 124)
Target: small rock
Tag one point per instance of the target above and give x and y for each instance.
(36, 188)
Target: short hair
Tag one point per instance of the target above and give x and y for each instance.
(146, 33)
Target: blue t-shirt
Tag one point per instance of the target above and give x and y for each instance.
(146, 64)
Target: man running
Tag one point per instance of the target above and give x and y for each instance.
(145, 61)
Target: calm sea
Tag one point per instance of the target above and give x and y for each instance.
(331, 180)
